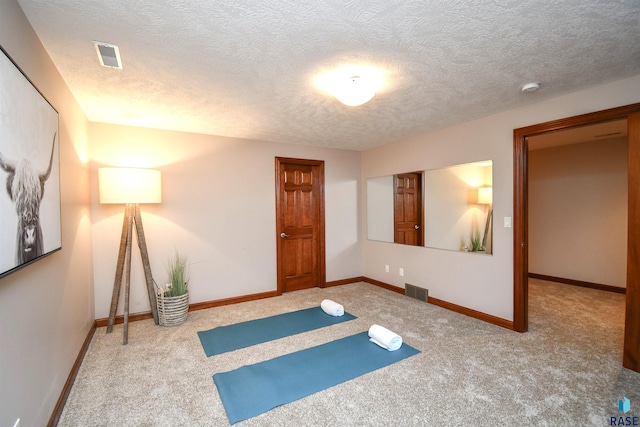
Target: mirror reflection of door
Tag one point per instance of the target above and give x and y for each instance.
(407, 208)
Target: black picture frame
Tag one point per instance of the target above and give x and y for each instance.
(30, 206)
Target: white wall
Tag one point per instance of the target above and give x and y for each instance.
(380, 208)
(46, 309)
(218, 209)
(482, 283)
(578, 212)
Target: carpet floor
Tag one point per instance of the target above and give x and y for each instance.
(566, 371)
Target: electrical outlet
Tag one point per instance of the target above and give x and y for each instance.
(17, 424)
(401, 271)
(386, 268)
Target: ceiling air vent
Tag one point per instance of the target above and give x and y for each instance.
(109, 55)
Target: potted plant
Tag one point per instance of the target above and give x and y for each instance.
(476, 245)
(173, 299)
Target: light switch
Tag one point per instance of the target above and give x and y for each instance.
(507, 222)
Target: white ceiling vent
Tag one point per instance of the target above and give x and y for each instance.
(109, 55)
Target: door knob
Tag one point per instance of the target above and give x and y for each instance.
(416, 226)
(284, 235)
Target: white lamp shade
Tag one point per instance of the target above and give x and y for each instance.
(485, 195)
(356, 90)
(129, 185)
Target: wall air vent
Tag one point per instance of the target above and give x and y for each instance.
(109, 55)
(416, 292)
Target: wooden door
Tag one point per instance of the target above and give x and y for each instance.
(300, 224)
(407, 208)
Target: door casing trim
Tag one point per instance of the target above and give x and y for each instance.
(520, 221)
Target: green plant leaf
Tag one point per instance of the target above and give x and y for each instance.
(178, 276)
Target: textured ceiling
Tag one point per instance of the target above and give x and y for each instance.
(247, 68)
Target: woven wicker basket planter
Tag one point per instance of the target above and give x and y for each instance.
(172, 311)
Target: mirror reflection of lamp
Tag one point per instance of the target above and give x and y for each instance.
(485, 197)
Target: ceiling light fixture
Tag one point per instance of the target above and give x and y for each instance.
(352, 85)
(531, 87)
(355, 90)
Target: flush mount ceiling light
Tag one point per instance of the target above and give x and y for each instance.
(352, 85)
(531, 87)
(355, 90)
(108, 54)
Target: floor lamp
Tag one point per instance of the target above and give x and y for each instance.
(131, 187)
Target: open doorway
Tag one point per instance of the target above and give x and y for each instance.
(631, 352)
(577, 206)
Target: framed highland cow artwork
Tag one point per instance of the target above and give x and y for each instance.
(29, 171)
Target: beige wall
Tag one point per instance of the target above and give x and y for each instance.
(46, 309)
(578, 212)
(218, 208)
(482, 283)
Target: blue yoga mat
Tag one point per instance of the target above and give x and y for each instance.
(245, 334)
(253, 389)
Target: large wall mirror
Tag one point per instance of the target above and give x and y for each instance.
(449, 208)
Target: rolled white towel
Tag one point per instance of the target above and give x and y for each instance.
(332, 308)
(384, 338)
